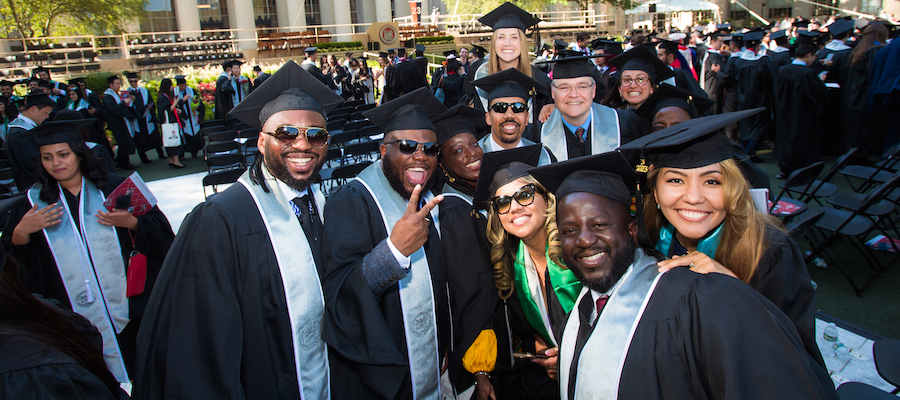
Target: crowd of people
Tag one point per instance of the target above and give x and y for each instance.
(577, 226)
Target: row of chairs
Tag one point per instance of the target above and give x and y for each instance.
(196, 60)
(229, 148)
(158, 40)
(870, 208)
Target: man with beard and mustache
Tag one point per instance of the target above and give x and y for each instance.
(507, 95)
(387, 317)
(240, 289)
(677, 334)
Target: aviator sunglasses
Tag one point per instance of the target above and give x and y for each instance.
(517, 107)
(317, 137)
(409, 147)
(524, 196)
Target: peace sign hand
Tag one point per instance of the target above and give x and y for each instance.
(411, 231)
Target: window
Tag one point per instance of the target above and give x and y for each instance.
(871, 6)
(739, 15)
(213, 14)
(160, 17)
(781, 12)
(265, 13)
(313, 12)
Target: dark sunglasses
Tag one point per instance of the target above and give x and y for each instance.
(409, 147)
(524, 196)
(517, 107)
(317, 137)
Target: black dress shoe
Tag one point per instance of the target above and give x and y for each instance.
(146, 161)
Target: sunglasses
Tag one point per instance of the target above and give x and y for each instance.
(317, 137)
(524, 196)
(409, 147)
(517, 107)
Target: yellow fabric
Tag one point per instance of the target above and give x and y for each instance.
(482, 354)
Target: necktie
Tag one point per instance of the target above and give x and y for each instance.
(580, 133)
(306, 212)
(585, 328)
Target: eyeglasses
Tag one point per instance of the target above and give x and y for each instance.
(517, 107)
(583, 88)
(317, 137)
(641, 81)
(409, 147)
(524, 196)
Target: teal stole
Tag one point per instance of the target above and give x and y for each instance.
(416, 293)
(302, 289)
(706, 245)
(90, 264)
(565, 285)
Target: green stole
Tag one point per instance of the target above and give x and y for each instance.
(565, 285)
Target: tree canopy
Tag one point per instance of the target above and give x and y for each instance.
(67, 17)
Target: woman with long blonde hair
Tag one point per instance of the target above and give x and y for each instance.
(521, 230)
(700, 215)
(509, 49)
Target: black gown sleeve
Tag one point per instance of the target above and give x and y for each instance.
(712, 337)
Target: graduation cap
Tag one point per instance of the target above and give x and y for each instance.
(777, 35)
(641, 58)
(401, 51)
(726, 27)
(451, 53)
(459, 119)
(800, 23)
(180, 79)
(132, 75)
(289, 88)
(53, 132)
(501, 167)
(806, 36)
(669, 46)
(37, 99)
(478, 51)
(508, 15)
(236, 62)
(508, 83)
(667, 95)
(840, 27)
(754, 36)
(6, 83)
(310, 50)
(389, 51)
(420, 47)
(559, 44)
(607, 175)
(572, 64)
(39, 69)
(414, 110)
(693, 143)
(608, 46)
(677, 37)
(382, 54)
(257, 68)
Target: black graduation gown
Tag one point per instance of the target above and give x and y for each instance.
(364, 331)
(39, 274)
(224, 91)
(468, 87)
(96, 131)
(779, 60)
(685, 80)
(405, 77)
(144, 140)
(33, 369)
(23, 155)
(259, 81)
(854, 81)
(115, 112)
(800, 97)
(168, 116)
(699, 338)
(711, 78)
(602, 80)
(220, 302)
(453, 89)
(753, 83)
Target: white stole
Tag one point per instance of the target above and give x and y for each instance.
(192, 124)
(302, 289)
(91, 267)
(118, 100)
(416, 293)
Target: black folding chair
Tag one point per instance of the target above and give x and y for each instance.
(335, 124)
(871, 176)
(862, 391)
(821, 188)
(220, 177)
(788, 207)
(358, 151)
(879, 212)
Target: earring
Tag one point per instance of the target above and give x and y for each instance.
(657, 206)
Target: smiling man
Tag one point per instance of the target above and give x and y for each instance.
(507, 94)
(387, 317)
(240, 289)
(636, 333)
(579, 127)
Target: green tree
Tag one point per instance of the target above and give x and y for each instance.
(43, 18)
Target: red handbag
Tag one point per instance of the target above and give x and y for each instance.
(137, 273)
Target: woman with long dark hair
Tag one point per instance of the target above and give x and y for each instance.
(639, 73)
(47, 352)
(72, 250)
(852, 71)
(166, 108)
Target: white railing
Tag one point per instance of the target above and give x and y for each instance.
(469, 22)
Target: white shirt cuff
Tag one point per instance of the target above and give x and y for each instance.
(401, 259)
